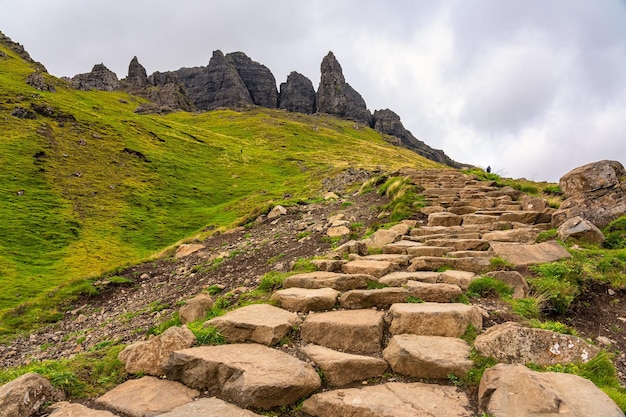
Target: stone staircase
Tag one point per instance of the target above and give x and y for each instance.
(370, 334)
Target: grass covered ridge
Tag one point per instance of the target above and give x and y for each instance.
(92, 185)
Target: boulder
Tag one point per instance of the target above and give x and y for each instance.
(187, 249)
(428, 356)
(250, 375)
(147, 397)
(434, 319)
(25, 395)
(37, 80)
(580, 229)
(196, 308)
(381, 238)
(353, 331)
(343, 368)
(337, 231)
(512, 343)
(516, 391)
(390, 400)
(66, 409)
(525, 254)
(277, 211)
(297, 94)
(209, 407)
(100, 78)
(257, 323)
(149, 357)
(257, 78)
(352, 246)
(305, 300)
(513, 279)
(595, 192)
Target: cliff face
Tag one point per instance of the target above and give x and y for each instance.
(234, 80)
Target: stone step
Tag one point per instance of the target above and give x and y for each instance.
(433, 263)
(459, 244)
(469, 254)
(398, 279)
(66, 409)
(305, 300)
(334, 280)
(250, 374)
(434, 319)
(400, 247)
(352, 331)
(209, 407)
(432, 357)
(383, 298)
(398, 260)
(372, 267)
(256, 323)
(429, 250)
(390, 399)
(341, 368)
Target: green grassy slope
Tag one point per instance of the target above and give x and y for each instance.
(113, 187)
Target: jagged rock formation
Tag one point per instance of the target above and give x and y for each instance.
(388, 123)
(100, 78)
(336, 97)
(257, 78)
(137, 78)
(19, 49)
(297, 94)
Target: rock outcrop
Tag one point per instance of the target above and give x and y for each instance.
(257, 78)
(21, 52)
(336, 97)
(25, 395)
(297, 94)
(100, 78)
(595, 192)
(137, 78)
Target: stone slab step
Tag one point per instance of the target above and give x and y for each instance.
(352, 331)
(437, 293)
(459, 244)
(375, 268)
(429, 250)
(250, 375)
(470, 219)
(341, 368)
(400, 247)
(399, 260)
(66, 409)
(209, 407)
(334, 280)
(525, 235)
(434, 319)
(433, 263)
(398, 279)
(524, 254)
(257, 323)
(469, 254)
(460, 278)
(433, 357)
(392, 399)
(147, 397)
(305, 300)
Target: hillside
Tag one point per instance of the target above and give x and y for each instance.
(88, 185)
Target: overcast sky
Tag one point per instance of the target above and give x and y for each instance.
(533, 88)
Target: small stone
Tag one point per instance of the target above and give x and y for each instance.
(603, 340)
(610, 292)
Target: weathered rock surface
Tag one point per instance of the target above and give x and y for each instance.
(368, 267)
(516, 391)
(400, 278)
(100, 78)
(390, 400)
(37, 80)
(195, 308)
(579, 228)
(137, 78)
(147, 397)
(25, 395)
(305, 300)
(150, 356)
(324, 279)
(66, 409)
(388, 123)
(257, 78)
(353, 331)
(187, 249)
(513, 279)
(434, 319)
(513, 343)
(436, 293)
(343, 368)
(381, 298)
(258, 323)
(297, 94)
(595, 192)
(251, 375)
(209, 407)
(428, 356)
(524, 254)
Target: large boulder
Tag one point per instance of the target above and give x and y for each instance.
(516, 391)
(150, 356)
(297, 94)
(196, 308)
(596, 192)
(257, 78)
(513, 343)
(24, 396)
(137, 78)
(581, 229)
(100, 78)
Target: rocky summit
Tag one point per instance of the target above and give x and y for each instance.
(379, 329)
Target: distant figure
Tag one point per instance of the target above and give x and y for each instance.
(488, 169)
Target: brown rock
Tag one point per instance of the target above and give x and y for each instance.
(381, 298)
(398, 279)
(434, 319)
(368, 267)
(277, 211)
(258, 323)
(579, 228)
(209, 407)
(65, 409)
(512, 236)
(428, 356)
(337, 231)
(522, 254)
(352, 246)
(516, 391)
(354, 331)
(150, 356)
(187, 249)
(390, 400)
(513, 279)
(444, 219)
(513, 343)
(323, 279)
(460, 278)
(436, 293)
(147, 397)
(25, 395)
(343, 368)
(251, 375)
(196, 308)
(525, 217)
(305, 300)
